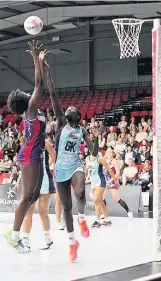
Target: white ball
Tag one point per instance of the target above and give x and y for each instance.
(33, 25)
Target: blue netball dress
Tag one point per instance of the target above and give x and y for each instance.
(48, 186)
(67, 142)
(95, 171)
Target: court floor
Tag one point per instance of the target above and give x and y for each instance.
(127, 243)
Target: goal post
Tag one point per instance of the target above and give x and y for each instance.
(156, 92)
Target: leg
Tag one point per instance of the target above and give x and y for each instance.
(31, 176)
(64, 191)
(58, 212)
(43, 208)
(98, 200)
(99, 191)
(116, 196)
(78, 183)
(26, 226)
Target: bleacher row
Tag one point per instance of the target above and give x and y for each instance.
(94, 102)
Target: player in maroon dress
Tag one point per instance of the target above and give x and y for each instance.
(31, 154)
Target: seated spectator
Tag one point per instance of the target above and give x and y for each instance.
(129, 173)
(141, 135)
(144, 154)
(9, 148)
(111, 129)
(1, 122)
(92, 124)
(132, 123)
(133, 129)
(145, 177)
(86, 152)
(14, 175)
(5, 164)
(120, 146)
(129, 154)
(132, 143)
(5, 139)
(118, 158)
(101, 141)
(102, 128)
(122, 123)
(15, 130)
(111, 141)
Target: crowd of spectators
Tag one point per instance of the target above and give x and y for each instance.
(131, 140)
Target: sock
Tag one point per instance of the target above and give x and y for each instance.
(106, 219)
(25, 235)
(25, 238)
(104, 201)
(123, 205)
(98, 220)
(71, 238)
(15, 235)
(47, 236)
(81, 217)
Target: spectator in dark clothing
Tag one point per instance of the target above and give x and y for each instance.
(145, 177)
(143, 155)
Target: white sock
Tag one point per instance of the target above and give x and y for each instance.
(47, 235)
(98, 220)
(106, 219)
(15, 235)
(81, 217)
(71, 238)
(25, 238)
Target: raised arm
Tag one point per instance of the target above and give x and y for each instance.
(38, 89)
(60, 117)
(92, 147)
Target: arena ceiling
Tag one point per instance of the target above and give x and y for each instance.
(63, 15)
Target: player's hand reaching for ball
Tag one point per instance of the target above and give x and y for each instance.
(34, 49)
(42, 55)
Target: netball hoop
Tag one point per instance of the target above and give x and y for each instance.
(128, 31)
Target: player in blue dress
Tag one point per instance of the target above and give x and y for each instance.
(68, 167)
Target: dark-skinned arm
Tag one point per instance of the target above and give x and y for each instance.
(38, 89)
(93, 147)
(60, 117)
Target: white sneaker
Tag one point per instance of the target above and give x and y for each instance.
(61, 226)
(130, 214)
(25, 241)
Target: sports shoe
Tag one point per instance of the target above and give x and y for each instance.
(18, 245)
(130, 214)
(73, 251)
(61, 226)
(96, 224)
(106, 223)
(84, 228)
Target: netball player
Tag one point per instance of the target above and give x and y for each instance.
(68, 167)
(112, 179)
(47, 189)
(94, 166)
(31, 154)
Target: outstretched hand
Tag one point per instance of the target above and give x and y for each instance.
(34, 49)
(42, 55)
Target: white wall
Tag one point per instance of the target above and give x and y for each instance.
(71, 70)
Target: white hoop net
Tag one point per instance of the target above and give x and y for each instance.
(128, 31)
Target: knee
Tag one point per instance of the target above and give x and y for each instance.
(42, 212)
(67, 207)
(80, 194)
(98, 201)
